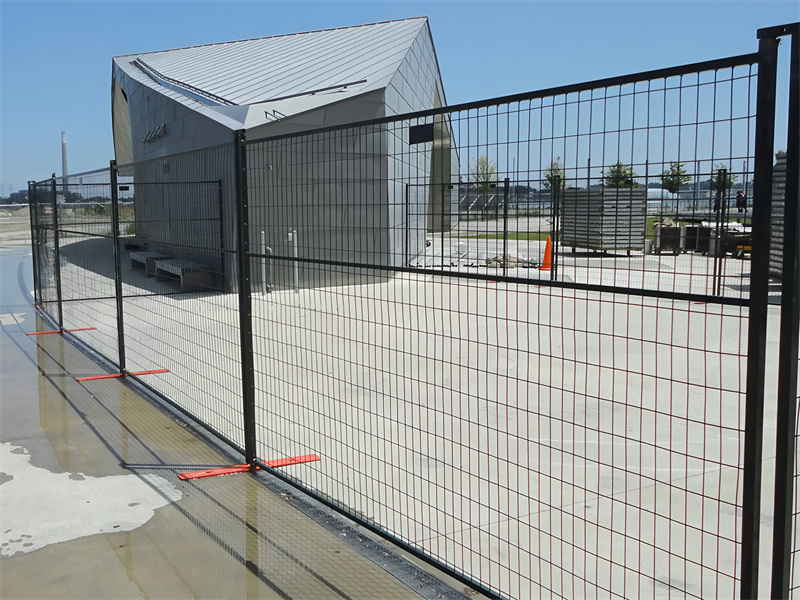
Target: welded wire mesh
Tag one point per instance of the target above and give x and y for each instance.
(568, 431)
(43, 228)
(86, 249)
(180, 307)
(515, 331)
(794, 577)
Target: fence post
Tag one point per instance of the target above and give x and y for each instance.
(117, 266)
(223, 271)
(33, 210)
(505, 224)
(556, 248)
(408, 228)
(57, 253)
(555, 206)
(757, 326)
(788, 354)
(245, 299)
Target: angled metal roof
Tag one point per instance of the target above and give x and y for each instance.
(296, 70)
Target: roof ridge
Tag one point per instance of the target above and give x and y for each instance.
(267, 37)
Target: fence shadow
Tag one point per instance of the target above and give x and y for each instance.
(96, 255)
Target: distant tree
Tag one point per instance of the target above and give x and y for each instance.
(723, 179)
(18, 198)
(619, 176)
(483, 173)
(555, 177)
(68, 196)
(674, 178)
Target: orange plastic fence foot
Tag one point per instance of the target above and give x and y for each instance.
(292, 460)
(274, 463)
(214, 472)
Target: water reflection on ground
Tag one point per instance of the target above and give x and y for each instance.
(93, 506)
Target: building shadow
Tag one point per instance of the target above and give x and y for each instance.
(88, 264)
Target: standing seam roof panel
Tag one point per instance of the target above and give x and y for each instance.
(271, 37)
(321, 77)
(390, 53)
(349, 71)
(208, 67)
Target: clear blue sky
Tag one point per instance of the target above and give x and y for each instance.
(55, 57)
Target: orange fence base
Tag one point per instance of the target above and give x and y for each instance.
(61, 331)
(275, 463)
(118, 375)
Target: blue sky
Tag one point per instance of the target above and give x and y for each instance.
(55, 57)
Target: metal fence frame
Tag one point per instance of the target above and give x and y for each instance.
(246, 261)
(786, 524)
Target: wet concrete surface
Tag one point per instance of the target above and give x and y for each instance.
(92, 506)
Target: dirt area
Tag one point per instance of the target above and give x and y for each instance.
(15, 227)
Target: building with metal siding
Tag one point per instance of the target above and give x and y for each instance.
(171, 102)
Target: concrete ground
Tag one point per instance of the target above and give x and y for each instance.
(92, 506)
(546, 441)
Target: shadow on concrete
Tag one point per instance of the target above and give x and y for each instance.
(96, 255)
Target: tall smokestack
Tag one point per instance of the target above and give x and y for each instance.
(64, 156)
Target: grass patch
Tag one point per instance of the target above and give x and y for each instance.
(650, 228)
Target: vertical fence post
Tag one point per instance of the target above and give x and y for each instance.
(33, 210)
(117, 265)
(556, 241)
(245, 300)
(222, 265)
(408, 227)
(263, 250)
(57, 253)
(296, 254)
(788, 354)
(757, 326)
(506, 182)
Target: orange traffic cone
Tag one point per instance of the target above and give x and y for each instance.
(547, 263)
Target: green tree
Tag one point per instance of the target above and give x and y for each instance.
(723, 179)
(483, 172)
(619, 176)
(674, 178)
(555, 176)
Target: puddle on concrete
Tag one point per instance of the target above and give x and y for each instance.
(44, 508)
(66, 453)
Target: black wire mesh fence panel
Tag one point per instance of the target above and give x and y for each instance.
(42, 214)
(86, 248)
(786, 184)
(566, 431)
(794, 562)
(794, 577)
(515, 331)
(180, 306)
(785, 261)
